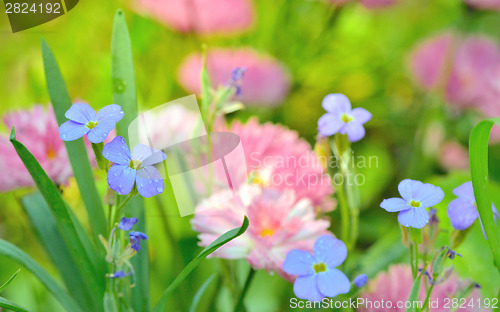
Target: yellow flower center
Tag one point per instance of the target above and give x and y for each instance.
(319, 267)
(266, 232)
(92, 124)
(346, 118)
(134, 164)
(51, 154)
(415, 204)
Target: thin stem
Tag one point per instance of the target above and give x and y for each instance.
(120, 206)
(344, 212)
(412, 260)
(239, 305)
(426, 302)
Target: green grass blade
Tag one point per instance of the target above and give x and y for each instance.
(221, 240)
(414, 293)
(77, 153)
(11, 306)
(11, 251)
(200, 292)
(478, 154)
(64, 220)
(124, 94)
(9, 280)
(46, 228)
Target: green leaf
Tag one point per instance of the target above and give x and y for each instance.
(109, 302)
(77, 153)
(414, 292)
(220, 241)
(64, 220)
(9, 305)
(124, 94)
(200, 292)
(9, 280)
(478, 154)
(46, 228)
(10, 251)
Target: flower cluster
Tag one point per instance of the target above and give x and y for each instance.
(119, 256)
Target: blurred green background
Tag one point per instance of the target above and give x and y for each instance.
(355, 51)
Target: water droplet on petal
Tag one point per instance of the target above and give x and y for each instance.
(159, 189)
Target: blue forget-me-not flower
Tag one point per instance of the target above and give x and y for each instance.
(416, 196)
(317, 273)
(84, 120)
(136, 167)
(340, 118)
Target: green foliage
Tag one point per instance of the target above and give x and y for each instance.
(223, 239)
(478, 153)
(77, 153)
(2, 287)
(4, 303)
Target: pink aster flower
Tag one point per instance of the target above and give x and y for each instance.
(454, 156)
(277, 158)
(201, 16)
(278, 223)
(395, 285)
(37, 129)
(429, 60)
(266, 81)
(485, 4)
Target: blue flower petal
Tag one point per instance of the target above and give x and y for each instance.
(135, 240)
(305, 287)
(298, 262)
(361, 115)
(461, 213)
(111, 113)
(126, 224)
(429, 195)
(465, 191)
(81, 112)
(333, 282)
(121, 178)
(71, 130)
(336, 103)
(149, 181)
(355, 131)
(330, 250)
(100, 132)
(117, 151)
(329, 124)
(360, 280)
(147, 155)
(395, 204)
(416, 217)
(406, 188)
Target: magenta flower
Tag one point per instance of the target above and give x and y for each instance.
(416, 196)
(134, 168)
(84, 121)
(201, 16)
(340, 118)
(317, 273)
(279, 222)
(266, 81)
(37, 129)
(462, 211)
(394, 286)
(484, 4)
(278, 159)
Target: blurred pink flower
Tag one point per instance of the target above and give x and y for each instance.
(466, 70)
(374, 4)
(277, 158)
(394, 286)
(265, 82)
(428, 61)
(37, 129)
(278, 223)
(485, 4)
(454, 156)
(201, 16)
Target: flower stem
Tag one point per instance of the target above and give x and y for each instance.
(427, 298)
(120, 206)
(239, 304)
